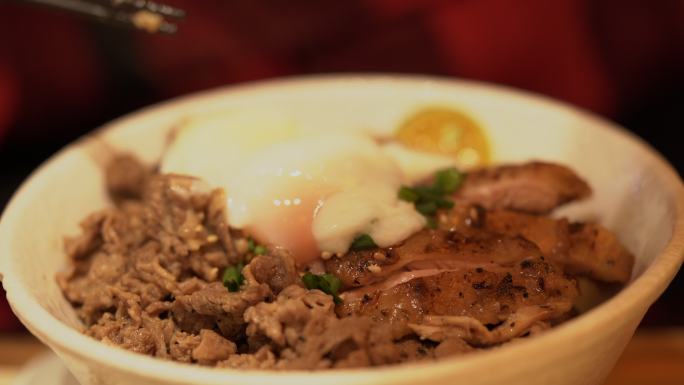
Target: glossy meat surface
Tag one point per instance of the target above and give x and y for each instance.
(587, 249)
(535, 187)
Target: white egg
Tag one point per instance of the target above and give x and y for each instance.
(307, 192)
(416, 166)
(215, 146)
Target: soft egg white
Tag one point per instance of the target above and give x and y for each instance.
(307, 192)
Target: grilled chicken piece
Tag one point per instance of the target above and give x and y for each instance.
(431, 249)
(494, 270)
(534, 187)
(596, 252)
(585, 249)
(488, 295)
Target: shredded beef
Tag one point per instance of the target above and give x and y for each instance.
(277, 270)
(125, 177)
(215, 307)
(146, 275)
(212, 348)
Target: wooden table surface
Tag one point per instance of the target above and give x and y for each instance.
(652, 357)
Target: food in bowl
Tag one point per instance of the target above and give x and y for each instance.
(284, 250)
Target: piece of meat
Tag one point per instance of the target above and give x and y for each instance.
(303, 327)
(121, 332)
(430, 249)
(399, 278)
(150, 265)
(452, 346)
(185, 217)
(89, 240)
(146, 276)
(174, 214)
(126, 176)
(147, 268)
(385, 347)
(215, 307)
(585, 249)
(549, 234)
(444, 328)
(535, 187)
(304, 332)
(217, 220)
(212, 348)
(181, 346)
(485, 295)
(276, 269)
(405, 350)
(482, 275)
(161, 330)
(596, 252)
(124, 229)
(293, 308)
(262, 359)
(89, 284)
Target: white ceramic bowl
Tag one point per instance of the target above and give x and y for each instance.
(637, 194)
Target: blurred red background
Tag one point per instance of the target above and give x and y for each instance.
(61, 76)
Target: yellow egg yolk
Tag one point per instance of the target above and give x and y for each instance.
(446, 131)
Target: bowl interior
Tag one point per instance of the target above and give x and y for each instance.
(633, 193)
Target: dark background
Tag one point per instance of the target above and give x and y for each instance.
(61, 76)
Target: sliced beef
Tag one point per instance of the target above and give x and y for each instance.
(146, 276)
(175, 215)
(276, 269)
(293, 309)
(90, 238)
(304, 332)
(262, 359)
(534, 187)
(215, 307)
(126, 177)
(181, 346)
(162, 331)
(123, 333)
(144, 273)
(212, 348)
(303, 327)
(216, 220)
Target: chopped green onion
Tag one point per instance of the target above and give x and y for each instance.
(408, 194)
(363, 242)
(444, 203)
(429, 199)
(310, 281)
(253, 247)
(427, 193)
(448, 180)
(233, 278)
(431, 222)
(327, 283)
(427, 208)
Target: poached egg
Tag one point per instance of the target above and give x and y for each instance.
(307, 191)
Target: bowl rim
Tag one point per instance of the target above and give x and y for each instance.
(643, 290)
